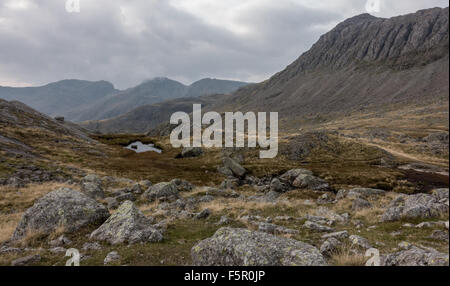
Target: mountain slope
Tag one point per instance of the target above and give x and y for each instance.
(60, 97)
(364, 62)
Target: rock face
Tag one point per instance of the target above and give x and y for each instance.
(65, 208)
(242, 247)
(415, 206)
(92, 190)
(414, 256)
(161, 191)
(127, 225)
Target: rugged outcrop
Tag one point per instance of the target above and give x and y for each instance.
(63, 208)
(241, 247)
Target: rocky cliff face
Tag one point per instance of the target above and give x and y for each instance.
(364, 62)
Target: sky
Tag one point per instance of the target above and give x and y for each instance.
(129, 41)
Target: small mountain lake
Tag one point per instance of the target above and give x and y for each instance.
(139, 147)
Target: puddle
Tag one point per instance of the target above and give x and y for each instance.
(139, 147)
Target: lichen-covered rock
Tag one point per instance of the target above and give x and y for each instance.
(277, 186)
(113, 256)
(415, 206)
(415, 256)
(191, 152)
(28, 260)
(360, 204)
(330, 247)
(242, 247)
(441, 194)
(127, 225)
(359, 242)
(182, 185)
(304, 181)
(162, 191)
(291, 175)
(92, 179)
(235, 167)
(317, 227)
(64, 208)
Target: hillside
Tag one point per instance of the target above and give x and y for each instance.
(364, 62)
(59, 98)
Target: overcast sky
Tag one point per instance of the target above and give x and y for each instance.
(128, 41)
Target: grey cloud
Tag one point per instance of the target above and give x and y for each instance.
(44, 43)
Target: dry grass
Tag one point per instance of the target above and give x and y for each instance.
(346, 256)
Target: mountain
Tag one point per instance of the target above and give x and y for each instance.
(364, 62)
(61, 97)
(140, 119)
(84, 100)
(151, 92)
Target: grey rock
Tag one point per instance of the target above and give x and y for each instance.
(203, 214)
(92, 179)
(137, 190)
(111, 257)
(191, 152)
(413, 207)
(27, 260)
(90, 246)
(277, 186)
(337, 235)
(60, 241)
(127, 225)
(441, 194)
(162, 191)
(330, 247)
(235, 167)
(224, 220)
(242, 247)
(360, 204)
(92, 190)
(225, 171)
(111, 203)
(57, 250)
(439, 235)
(317, 227)
(415, 256)
(275, 229)
(310, 182)
(125, 197)
(360, 242)
(65, 208)
(182, 185)
(145, 184)
(229, 184)
(291, 175)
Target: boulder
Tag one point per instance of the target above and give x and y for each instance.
(191, 152)
(111, 257)
(92, 190)
(145, 184)
(225, 171)
(92, 179)
(330, 247)
(338, 235)
(317, 227)
(235, 167)
(360, 204)
(415, 206)
(65, 208)
(203, 214)
(161, 191)
(277, 186)
(127, 225)
(291, 175)
(359, 242)
(182, 185)
(311, 182)
(137, 190)
(242, 247)
(415, 256)
(441, 194)
(28, 260)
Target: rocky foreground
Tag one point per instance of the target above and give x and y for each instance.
(250, 218)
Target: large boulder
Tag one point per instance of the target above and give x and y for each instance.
(64, 208)
(127, 225)
(242, 247)
(237, 170)
(162, 191)
(415, 256)
(415, 206)
(191, 152)
(92, 190)
(311, 182)
(291, 175)
(182, 185)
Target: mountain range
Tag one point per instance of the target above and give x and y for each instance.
(79, 100)
(364, 63)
